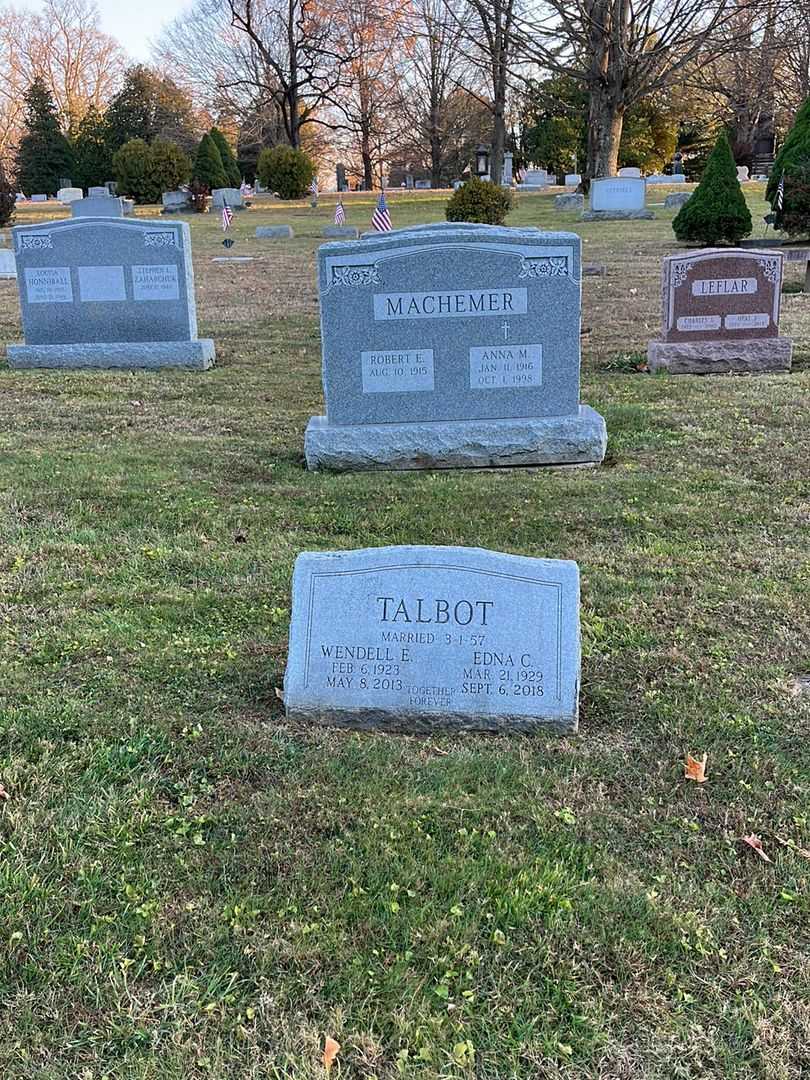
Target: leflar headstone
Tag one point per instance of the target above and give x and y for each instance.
(617, 197)
(452, 345)
(98, 206)
(107, 292)
(721, 313)
(421, 639)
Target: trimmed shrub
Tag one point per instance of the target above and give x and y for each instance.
(229, 164)
(793, 162)
(7, 198)
(717, 212)
(144, 172)
(285, 171)
(479, 201)
(208, 168)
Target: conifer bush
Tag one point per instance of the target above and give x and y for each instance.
(229, 163)
(285, 171)
(793, 162)
(7, 198)
(208, 169)
(479, 201)
(717, 212)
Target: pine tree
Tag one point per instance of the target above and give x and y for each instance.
(7, 198)
(229, 163)
(793, 163)
(717, 211)
(208, 169)
(92, 157)
(43, 156)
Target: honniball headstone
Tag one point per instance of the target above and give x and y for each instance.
(107, 292)
(421, 639)
(720, 313)
(452, 345)
(617, 197)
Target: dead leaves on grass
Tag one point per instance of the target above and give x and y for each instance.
(695, 769)
(330, 1052)
(755, 844)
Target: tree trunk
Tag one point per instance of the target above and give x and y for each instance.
(368, 164)
(498, 142)
(435, 146)
(605, 120)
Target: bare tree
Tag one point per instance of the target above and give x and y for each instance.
(623, 51)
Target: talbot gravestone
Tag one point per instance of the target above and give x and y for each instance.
(452, 345)
(617, 197)
(721, 313)
(107, 292)
(421, 639)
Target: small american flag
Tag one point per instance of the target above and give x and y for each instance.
(227, 217)
(313, 187)
(340, 214)
(381, 218)
(779, 201)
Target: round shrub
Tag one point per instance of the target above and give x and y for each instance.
(286, 171)
(144, 172)
(169, 165)
(479, 201)
(717, 212)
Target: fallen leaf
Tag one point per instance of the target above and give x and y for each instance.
(3, 793)
(279, 693)
(754, 842)
(330, 1052)
(696, 769)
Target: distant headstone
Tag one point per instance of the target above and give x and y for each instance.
(98, 206)
(506, 176)
(742, 174)
(231, 196)
(128, 206)
(39, 198)
(176, 202)
(631, 171)
(68, 195)
(107, 292)
(573, 180)
(340, 177)
(425, 639)
(111, 186)
(721, 313)
(449, 346)
(457, 184)
(677, 199)
(8, 264)
(677, 166)
(617, 197)
(534, 180)
(569, 202)
(98, 192)
(422, 185)
(65, 182)
(409, 182)
(274, 232)
(341, 232)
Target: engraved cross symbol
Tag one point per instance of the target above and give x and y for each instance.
(505, 328)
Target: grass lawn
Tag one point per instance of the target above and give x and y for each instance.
(192, 888)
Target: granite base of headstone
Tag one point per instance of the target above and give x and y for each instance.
(107, 293)
(452, 345)
(341, 232)
(569, 202)
(98, 206)
(720, 314)
(274, 232)
(8, 265)
(426, 639)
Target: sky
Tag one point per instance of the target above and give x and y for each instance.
(133, 22)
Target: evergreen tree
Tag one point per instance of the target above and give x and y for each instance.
(43, 156)
(717, 211)
(793, 163)
(92, 157)
(229, 163)
(208, 169)
(7, 198)
(150, 106)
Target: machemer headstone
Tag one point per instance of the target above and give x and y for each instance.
(617, 197)
(107, 292)
(452, 345)
(720, 310)
(421, 639)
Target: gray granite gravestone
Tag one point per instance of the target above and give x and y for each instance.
(98, 206)
(421, 639)
(8, 264)
(569, 202)
(107, 292)
(677, 199)
(617, 197)
(720, 310)
(452, 345)
(274, 232)
(69, 195)
(229, 195)
(176, 202)
(100, 191)
(339, 232)
(39, 198)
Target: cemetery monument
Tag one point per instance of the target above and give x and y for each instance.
(617, 197)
